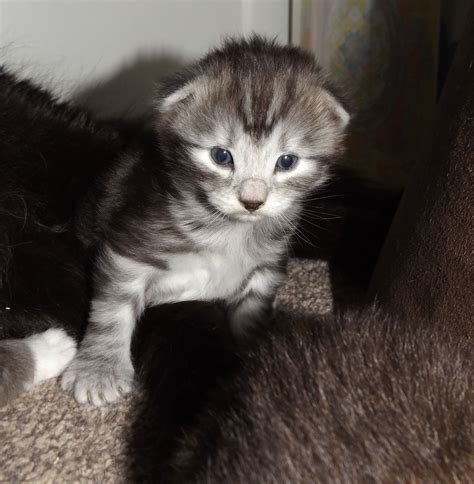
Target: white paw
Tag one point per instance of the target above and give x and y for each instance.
(52, 351)
(97, 382)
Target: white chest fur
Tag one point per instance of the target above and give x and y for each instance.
(199, 276)
(219, 269)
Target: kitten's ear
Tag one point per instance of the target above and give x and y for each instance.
(189, 89)
(336, 108)
(166, 103)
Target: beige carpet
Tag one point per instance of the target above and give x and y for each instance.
(46, 437)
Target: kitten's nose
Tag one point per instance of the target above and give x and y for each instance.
(251, 206)
(253, 193)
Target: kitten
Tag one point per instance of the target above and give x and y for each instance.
(202, 210)
(358, 398)
(207, 212)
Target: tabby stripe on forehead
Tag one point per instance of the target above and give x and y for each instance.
(253, 107)
(274, 109)
(247, 103)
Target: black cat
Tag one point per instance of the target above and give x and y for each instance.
(357, 398)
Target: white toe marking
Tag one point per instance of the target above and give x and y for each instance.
(52, 351)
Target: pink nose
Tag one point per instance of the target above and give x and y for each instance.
(253, 193)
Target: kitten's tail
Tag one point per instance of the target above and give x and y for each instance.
(28, 361)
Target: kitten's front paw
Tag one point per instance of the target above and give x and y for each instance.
(98, 382)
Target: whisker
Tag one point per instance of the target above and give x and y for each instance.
(314, 199)
(296, 231)
(330, 216)
(320, 227)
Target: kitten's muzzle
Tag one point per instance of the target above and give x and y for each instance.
(251, 206)
(253, 194)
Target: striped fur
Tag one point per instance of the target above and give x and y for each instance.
(169, 222)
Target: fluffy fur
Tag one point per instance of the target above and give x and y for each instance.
(28, 361)
(169, 224)
(359, 398)
(17, 369)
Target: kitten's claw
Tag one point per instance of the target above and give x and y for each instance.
(122, 391)
(97, 383)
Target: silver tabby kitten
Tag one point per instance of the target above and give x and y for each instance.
(243, 136)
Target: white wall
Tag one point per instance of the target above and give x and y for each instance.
(122, 45)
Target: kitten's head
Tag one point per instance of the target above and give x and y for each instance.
(251, 128)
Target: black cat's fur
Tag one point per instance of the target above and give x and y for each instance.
(359, 398)
(49, 154)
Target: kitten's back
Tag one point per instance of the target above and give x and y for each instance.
(358, 399)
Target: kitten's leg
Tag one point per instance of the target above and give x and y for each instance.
(254, 304)
(102, 370)
(28, 361)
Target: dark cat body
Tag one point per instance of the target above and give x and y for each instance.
(360, 398)
(50, 153)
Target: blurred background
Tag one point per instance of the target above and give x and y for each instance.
(120, 48)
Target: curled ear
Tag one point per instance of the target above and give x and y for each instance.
(336, 108)
(191, 88)
(168, 102)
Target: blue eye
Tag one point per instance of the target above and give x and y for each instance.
(221, 156)
(285, 162)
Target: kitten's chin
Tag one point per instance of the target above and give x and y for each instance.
(247, 217)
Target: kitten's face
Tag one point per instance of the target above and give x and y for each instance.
(257, 130)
